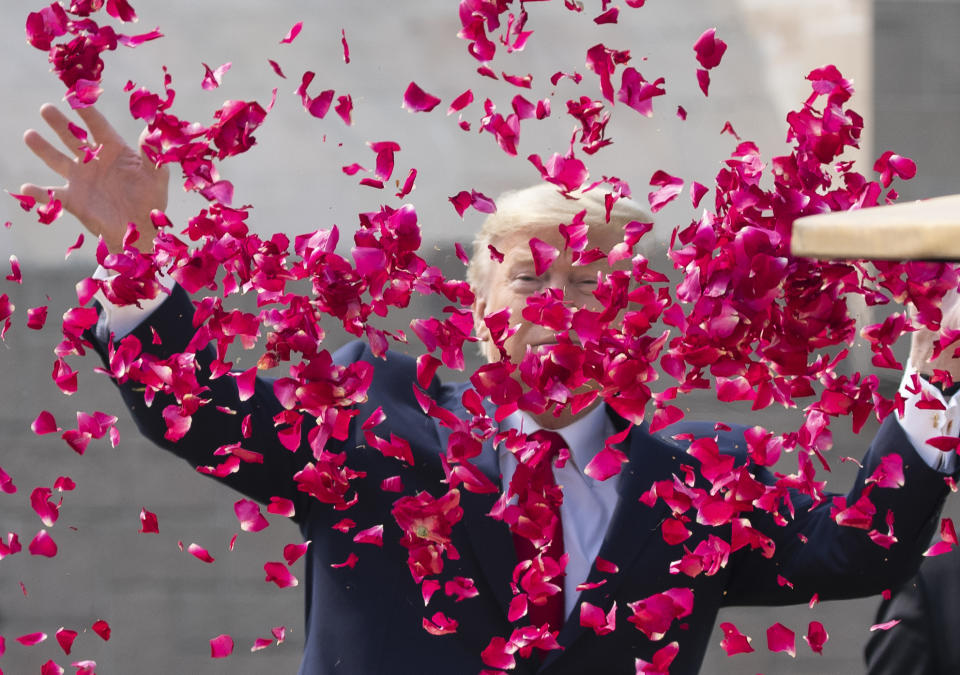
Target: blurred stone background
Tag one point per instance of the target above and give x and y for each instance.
(163, 604)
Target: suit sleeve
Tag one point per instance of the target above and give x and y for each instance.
(928, 610)
(218, 423)
(815, 555)
(909, 646)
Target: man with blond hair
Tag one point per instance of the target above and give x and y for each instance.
(368, 618)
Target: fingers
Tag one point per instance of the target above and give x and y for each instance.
(61, 126)
(42, 194)
(50, 155)
(102, 130)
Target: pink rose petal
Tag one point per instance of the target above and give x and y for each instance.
(781, 639)
(43, 545)
(734, 642)
(200, 553)
(887, 625)
(440, 624)
(292, 33)
(15, 275)
(346, 47)
(543, 255)
(44, 424)
(248, 513)
(703, 79)
(460, 102)
(102, 628)
(709, 49)
(279, 574)
(51, 668)
(65, 639)
(816, 636)
(372, 535)
(669, 187)
(293, 552)
(605, 463)
(31, 639)
(281, 506)
(6, 483)
(221, 647)
(148, 522)
(416, 99)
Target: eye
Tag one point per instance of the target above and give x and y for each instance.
(525, 279)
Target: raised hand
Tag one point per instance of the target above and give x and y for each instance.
(119, 186)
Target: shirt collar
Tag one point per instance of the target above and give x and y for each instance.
(584, 436)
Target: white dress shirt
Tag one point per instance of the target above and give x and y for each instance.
(588, 504)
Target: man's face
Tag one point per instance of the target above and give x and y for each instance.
(515, 280)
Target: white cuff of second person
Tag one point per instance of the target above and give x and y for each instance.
(921, 422)
(122, 320)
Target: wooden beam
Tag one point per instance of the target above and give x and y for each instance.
(927, 229)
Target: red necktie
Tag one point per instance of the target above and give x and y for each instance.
(543, 495)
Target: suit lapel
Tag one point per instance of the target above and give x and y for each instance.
(489, 539)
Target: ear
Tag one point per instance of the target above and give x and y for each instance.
(479, 325)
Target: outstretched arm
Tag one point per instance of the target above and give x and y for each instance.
(119, 185)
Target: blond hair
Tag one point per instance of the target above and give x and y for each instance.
(539, 206)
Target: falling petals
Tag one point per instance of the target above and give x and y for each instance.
(248, 513)
(416, 99)
(15, 275)
(460, 102)
(816, 637)
(278, 573)
(6, 483)
(101, 628)
(734, 642)
(781, 639)
(662, 658)
(440, 624)
(293, 552)
(221, 647)
(281, 506)
(593, 617)
(31, 639)
(148, 522)
(65, 639)
(605, 464)
(292, 33)
(200, 553)
(887, 625)
(213, 78)
(637, 93)
(709, 49)
(43, 545)
(372, 535)
(44, 424)
(346, 47)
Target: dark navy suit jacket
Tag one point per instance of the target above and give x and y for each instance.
(928, 609)
(367, 620)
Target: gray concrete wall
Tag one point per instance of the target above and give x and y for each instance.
(164, 605)
(918, 89)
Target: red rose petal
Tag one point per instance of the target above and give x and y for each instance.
(416, 99)
(221, 647)
(781, 639)
(292, 33)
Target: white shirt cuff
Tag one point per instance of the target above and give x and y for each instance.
(122, 320)
(920, 421)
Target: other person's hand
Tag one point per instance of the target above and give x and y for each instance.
(119, 186)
